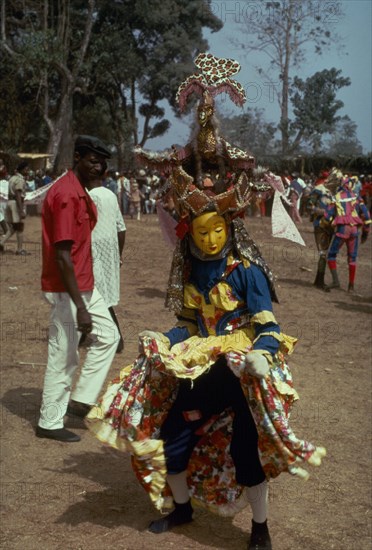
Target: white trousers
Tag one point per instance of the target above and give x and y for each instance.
(63, 356)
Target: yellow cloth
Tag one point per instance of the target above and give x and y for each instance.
(189, 359)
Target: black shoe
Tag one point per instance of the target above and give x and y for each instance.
(335, 280)
(333, 285)
(260, 537)
(78, 409)
(322, 286)
(61, 434)
(180, 515)
(319, 280)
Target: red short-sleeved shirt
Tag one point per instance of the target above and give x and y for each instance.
(68, 214)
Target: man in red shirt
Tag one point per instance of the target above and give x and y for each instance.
(68, 218)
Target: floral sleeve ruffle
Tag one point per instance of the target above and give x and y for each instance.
(132, 410)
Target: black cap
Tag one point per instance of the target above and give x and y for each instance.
(92, 144)
(22, 165)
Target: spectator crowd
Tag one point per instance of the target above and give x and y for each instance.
(137, 192)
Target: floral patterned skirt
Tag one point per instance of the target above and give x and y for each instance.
(131, 412)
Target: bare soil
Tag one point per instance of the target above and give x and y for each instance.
(84, 496)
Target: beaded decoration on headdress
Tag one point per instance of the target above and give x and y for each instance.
(189, 199)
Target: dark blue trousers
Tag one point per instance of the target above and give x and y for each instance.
(210, 395)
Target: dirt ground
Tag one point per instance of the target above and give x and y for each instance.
(84, 496)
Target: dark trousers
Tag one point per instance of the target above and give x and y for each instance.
(210, 395)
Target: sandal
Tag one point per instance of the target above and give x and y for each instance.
(22, 253)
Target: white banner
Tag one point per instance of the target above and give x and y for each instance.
(37, 196)
(282, 225)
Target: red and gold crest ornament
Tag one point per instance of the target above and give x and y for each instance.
(213, 77)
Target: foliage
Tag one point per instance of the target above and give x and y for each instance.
(250, 131)
(315, 106)
(47, 42)
(160, 45)
(343, 141)
(118, 60)
(21, 127)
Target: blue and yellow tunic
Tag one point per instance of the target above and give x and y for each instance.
(228, 298)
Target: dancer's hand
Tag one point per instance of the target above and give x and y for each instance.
(158, 336)
(257, 364)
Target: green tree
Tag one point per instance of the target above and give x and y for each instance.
(250, 131)
(124, 57)
(160, 45)
(283, 31)
(21, 127)
(343, 140)
(48, 42)
(315, 107)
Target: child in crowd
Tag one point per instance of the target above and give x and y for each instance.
(135, 200)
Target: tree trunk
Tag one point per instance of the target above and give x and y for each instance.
(66, 146)
(133, 112)
(295, 144)
(284, 119)
(60, 144)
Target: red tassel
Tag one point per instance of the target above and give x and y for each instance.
(182, 228)
(352, 270)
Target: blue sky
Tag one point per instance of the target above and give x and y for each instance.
(353, 56)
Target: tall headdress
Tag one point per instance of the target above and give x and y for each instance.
(213, 77)
(232, 190)
(235, 192)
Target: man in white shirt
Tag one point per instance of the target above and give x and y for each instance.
(108, 239)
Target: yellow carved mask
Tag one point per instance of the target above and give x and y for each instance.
(209, 232)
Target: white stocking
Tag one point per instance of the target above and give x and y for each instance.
(178, 485)
(19, 240)
(258, 497)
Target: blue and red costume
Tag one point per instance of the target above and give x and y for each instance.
(348, 214)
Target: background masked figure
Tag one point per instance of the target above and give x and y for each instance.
(347, 214)
(204, 409)
(319, 201)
